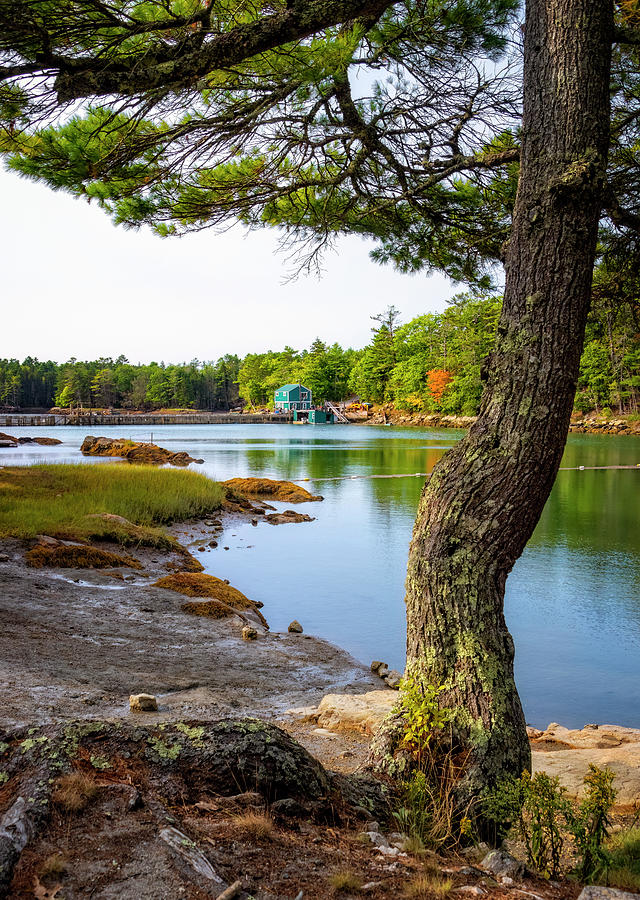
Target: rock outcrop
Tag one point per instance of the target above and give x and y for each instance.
(8, 440)
(350, 712)
(135, 452)
(287, 518)
(568, 753)
(286, 491)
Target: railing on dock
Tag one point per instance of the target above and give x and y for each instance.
(18, 420)
(336, 412)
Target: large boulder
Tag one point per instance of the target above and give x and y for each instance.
(355, 712)
(567, 753)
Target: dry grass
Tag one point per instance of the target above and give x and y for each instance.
(53, 867)
(255, 826)
(212, 609)
(188, 562)
(77, 557)
(81, 501)
(74, 792)
(345, 882)
(266, 487)
(428, 886)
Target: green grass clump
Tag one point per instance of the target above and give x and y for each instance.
(624, 862)
(345, 881)
(57, 499)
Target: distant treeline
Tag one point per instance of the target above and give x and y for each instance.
(434, 363)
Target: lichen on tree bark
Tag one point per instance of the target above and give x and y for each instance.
(486, 495)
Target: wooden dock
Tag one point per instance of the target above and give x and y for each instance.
(90, 420)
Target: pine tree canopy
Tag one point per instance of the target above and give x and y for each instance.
(393, 120)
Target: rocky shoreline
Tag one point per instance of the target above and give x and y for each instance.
(186, 797)
(389, 415)
(76, 643)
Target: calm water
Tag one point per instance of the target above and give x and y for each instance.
(573, 599)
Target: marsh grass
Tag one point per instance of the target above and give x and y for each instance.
(66, 501)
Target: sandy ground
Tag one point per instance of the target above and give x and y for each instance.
(76, 643)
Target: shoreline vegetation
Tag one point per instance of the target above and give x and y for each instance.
(386, 414)
(110, 502)
(433, 364)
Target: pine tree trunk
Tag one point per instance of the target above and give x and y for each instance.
(486, 495)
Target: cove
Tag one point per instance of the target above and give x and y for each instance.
(572, 600)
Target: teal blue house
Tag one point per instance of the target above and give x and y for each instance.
(293, 397)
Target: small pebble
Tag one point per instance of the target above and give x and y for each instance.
(325, 732)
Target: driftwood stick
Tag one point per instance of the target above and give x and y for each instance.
(232, 891)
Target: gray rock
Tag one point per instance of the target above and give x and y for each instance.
(375, 838)
(4, 557)
(287, 808)
(393, 678)
(376, 665)
(295, 627)
(501, 863)
(399, 841)
(388, 851)
(596, 892)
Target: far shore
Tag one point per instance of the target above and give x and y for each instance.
(591, 423)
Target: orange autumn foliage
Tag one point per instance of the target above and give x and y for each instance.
(437, 381)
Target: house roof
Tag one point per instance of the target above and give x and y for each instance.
(290, 387)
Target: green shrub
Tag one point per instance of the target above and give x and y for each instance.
(423, 717)
(590, 822)
(429, 811)
(539, 809)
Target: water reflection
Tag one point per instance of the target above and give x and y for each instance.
(573, 599)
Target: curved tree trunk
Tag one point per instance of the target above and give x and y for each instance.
(486, 495)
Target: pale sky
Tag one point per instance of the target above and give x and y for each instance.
(74, 285)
